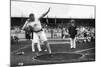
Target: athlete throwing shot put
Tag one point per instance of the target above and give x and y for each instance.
(38, 33)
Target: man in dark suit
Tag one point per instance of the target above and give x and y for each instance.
(72, 32)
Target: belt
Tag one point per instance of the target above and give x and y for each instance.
(38, 30)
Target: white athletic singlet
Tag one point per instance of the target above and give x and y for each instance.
(36, 25)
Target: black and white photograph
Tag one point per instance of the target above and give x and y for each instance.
(44, 33)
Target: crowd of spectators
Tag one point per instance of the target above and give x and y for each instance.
(56, 31)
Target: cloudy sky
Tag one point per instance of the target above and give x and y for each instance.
(23, 9)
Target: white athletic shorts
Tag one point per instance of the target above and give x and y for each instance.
(39, 37)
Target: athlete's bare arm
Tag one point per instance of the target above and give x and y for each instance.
(44, 14)
(24, 25)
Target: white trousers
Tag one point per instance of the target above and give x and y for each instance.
(38, 38)
(73, 43)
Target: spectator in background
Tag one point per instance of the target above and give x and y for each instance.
(28, 33)
(63, 33)
(52, 33)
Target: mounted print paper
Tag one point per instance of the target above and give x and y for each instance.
(51, 33)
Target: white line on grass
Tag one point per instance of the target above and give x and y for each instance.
(20, 49)
(84, 50)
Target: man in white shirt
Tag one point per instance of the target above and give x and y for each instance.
(38, 33)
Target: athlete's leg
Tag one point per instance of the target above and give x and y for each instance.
(39, 46)
(43, 38)
(48, 46)
(33, 48)
(35, 42)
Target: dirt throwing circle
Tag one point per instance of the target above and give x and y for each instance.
(58, 56)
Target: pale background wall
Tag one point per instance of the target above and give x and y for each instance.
(19, 9)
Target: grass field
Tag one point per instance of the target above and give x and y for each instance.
(61, 51)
